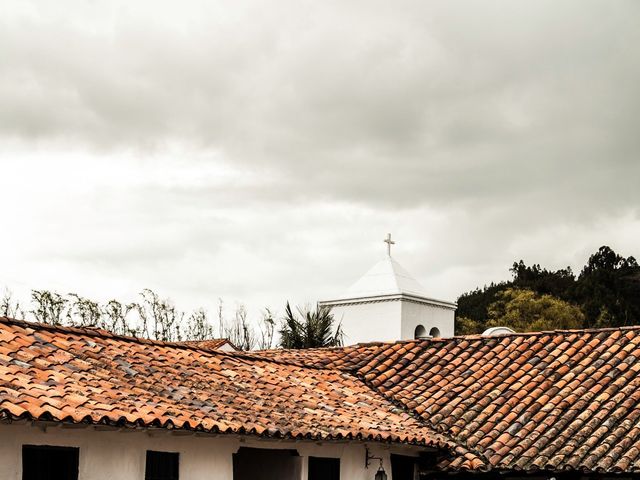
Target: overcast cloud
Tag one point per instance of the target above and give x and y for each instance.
(260, 151)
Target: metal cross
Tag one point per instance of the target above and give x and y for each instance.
(389, 242)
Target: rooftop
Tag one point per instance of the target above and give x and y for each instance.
(91, 376)
(545, 401)
(385, 278)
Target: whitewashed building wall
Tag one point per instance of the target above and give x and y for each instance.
(110, 455)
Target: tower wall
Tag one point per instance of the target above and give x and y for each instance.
(390, 320)
(370, 321)
(387, 304)
(429, 316)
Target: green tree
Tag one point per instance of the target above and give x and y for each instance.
(558, 283)
(198, 326)
(527, 311)
(83, 312)
(312, 328)
(239, 331)
(266, 328)
(49, 307)
(160, 320)
(609, 289)
(115, 318)
(472, 307)
(10, 307)
(467, 326)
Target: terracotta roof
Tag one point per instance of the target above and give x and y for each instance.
(91, 376)
(211, 344)
(349, 358)
(564, 400)
(552, 401)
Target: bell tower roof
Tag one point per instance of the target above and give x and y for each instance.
(387, 304)
(387, 277)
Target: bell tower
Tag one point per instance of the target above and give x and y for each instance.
(387, 304)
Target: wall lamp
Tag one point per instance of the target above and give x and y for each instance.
(380, 474)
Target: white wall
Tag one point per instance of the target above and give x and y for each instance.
(369, 322)
(414, 314)
(111, 455)
(391, 320)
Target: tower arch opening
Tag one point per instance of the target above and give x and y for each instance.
(419, 332)
(434, 332)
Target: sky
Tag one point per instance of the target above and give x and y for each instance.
(260, 152)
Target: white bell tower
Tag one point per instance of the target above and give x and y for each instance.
(387, 304)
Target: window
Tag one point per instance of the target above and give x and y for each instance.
(402, 467)
(43, 462)
(266, 464)
(324, 468)
(162, 466)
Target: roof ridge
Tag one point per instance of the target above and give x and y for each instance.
(250, 355)
(479, 336)
(472, 336)
(102, 333)
(195, 342)
(452, 443)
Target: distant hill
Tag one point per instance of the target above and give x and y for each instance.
(606, 293)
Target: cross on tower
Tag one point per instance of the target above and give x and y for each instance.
(389, 242)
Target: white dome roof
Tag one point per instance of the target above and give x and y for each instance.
(387, 277)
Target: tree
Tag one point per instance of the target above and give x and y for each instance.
(159, 317)
(150, 317)
(83, 312)
(527, 311)
(239, 331)
(315, 328)
(198, 326)
(9, 307)
(115, 318)
(558, 283)
(467, 326)
(49, 306)
(267, 329)
(472, 306)
(609, 289)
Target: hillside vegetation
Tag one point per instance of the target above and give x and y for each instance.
(606, 293)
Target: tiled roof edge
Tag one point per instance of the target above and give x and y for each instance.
(255, 355)
(200, 344)
(101, 333)
(479, 336)
(6, 416)
(473, 336)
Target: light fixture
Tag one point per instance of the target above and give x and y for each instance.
(380, 474)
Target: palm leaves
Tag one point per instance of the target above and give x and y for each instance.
(312, 328)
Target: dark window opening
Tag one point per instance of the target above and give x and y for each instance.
(403, 467)
(435, 332)
(266, 464)
(44, 462)
(324, 468)
(419, 332)
(162, 465)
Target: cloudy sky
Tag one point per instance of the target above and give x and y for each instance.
(260, 151)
